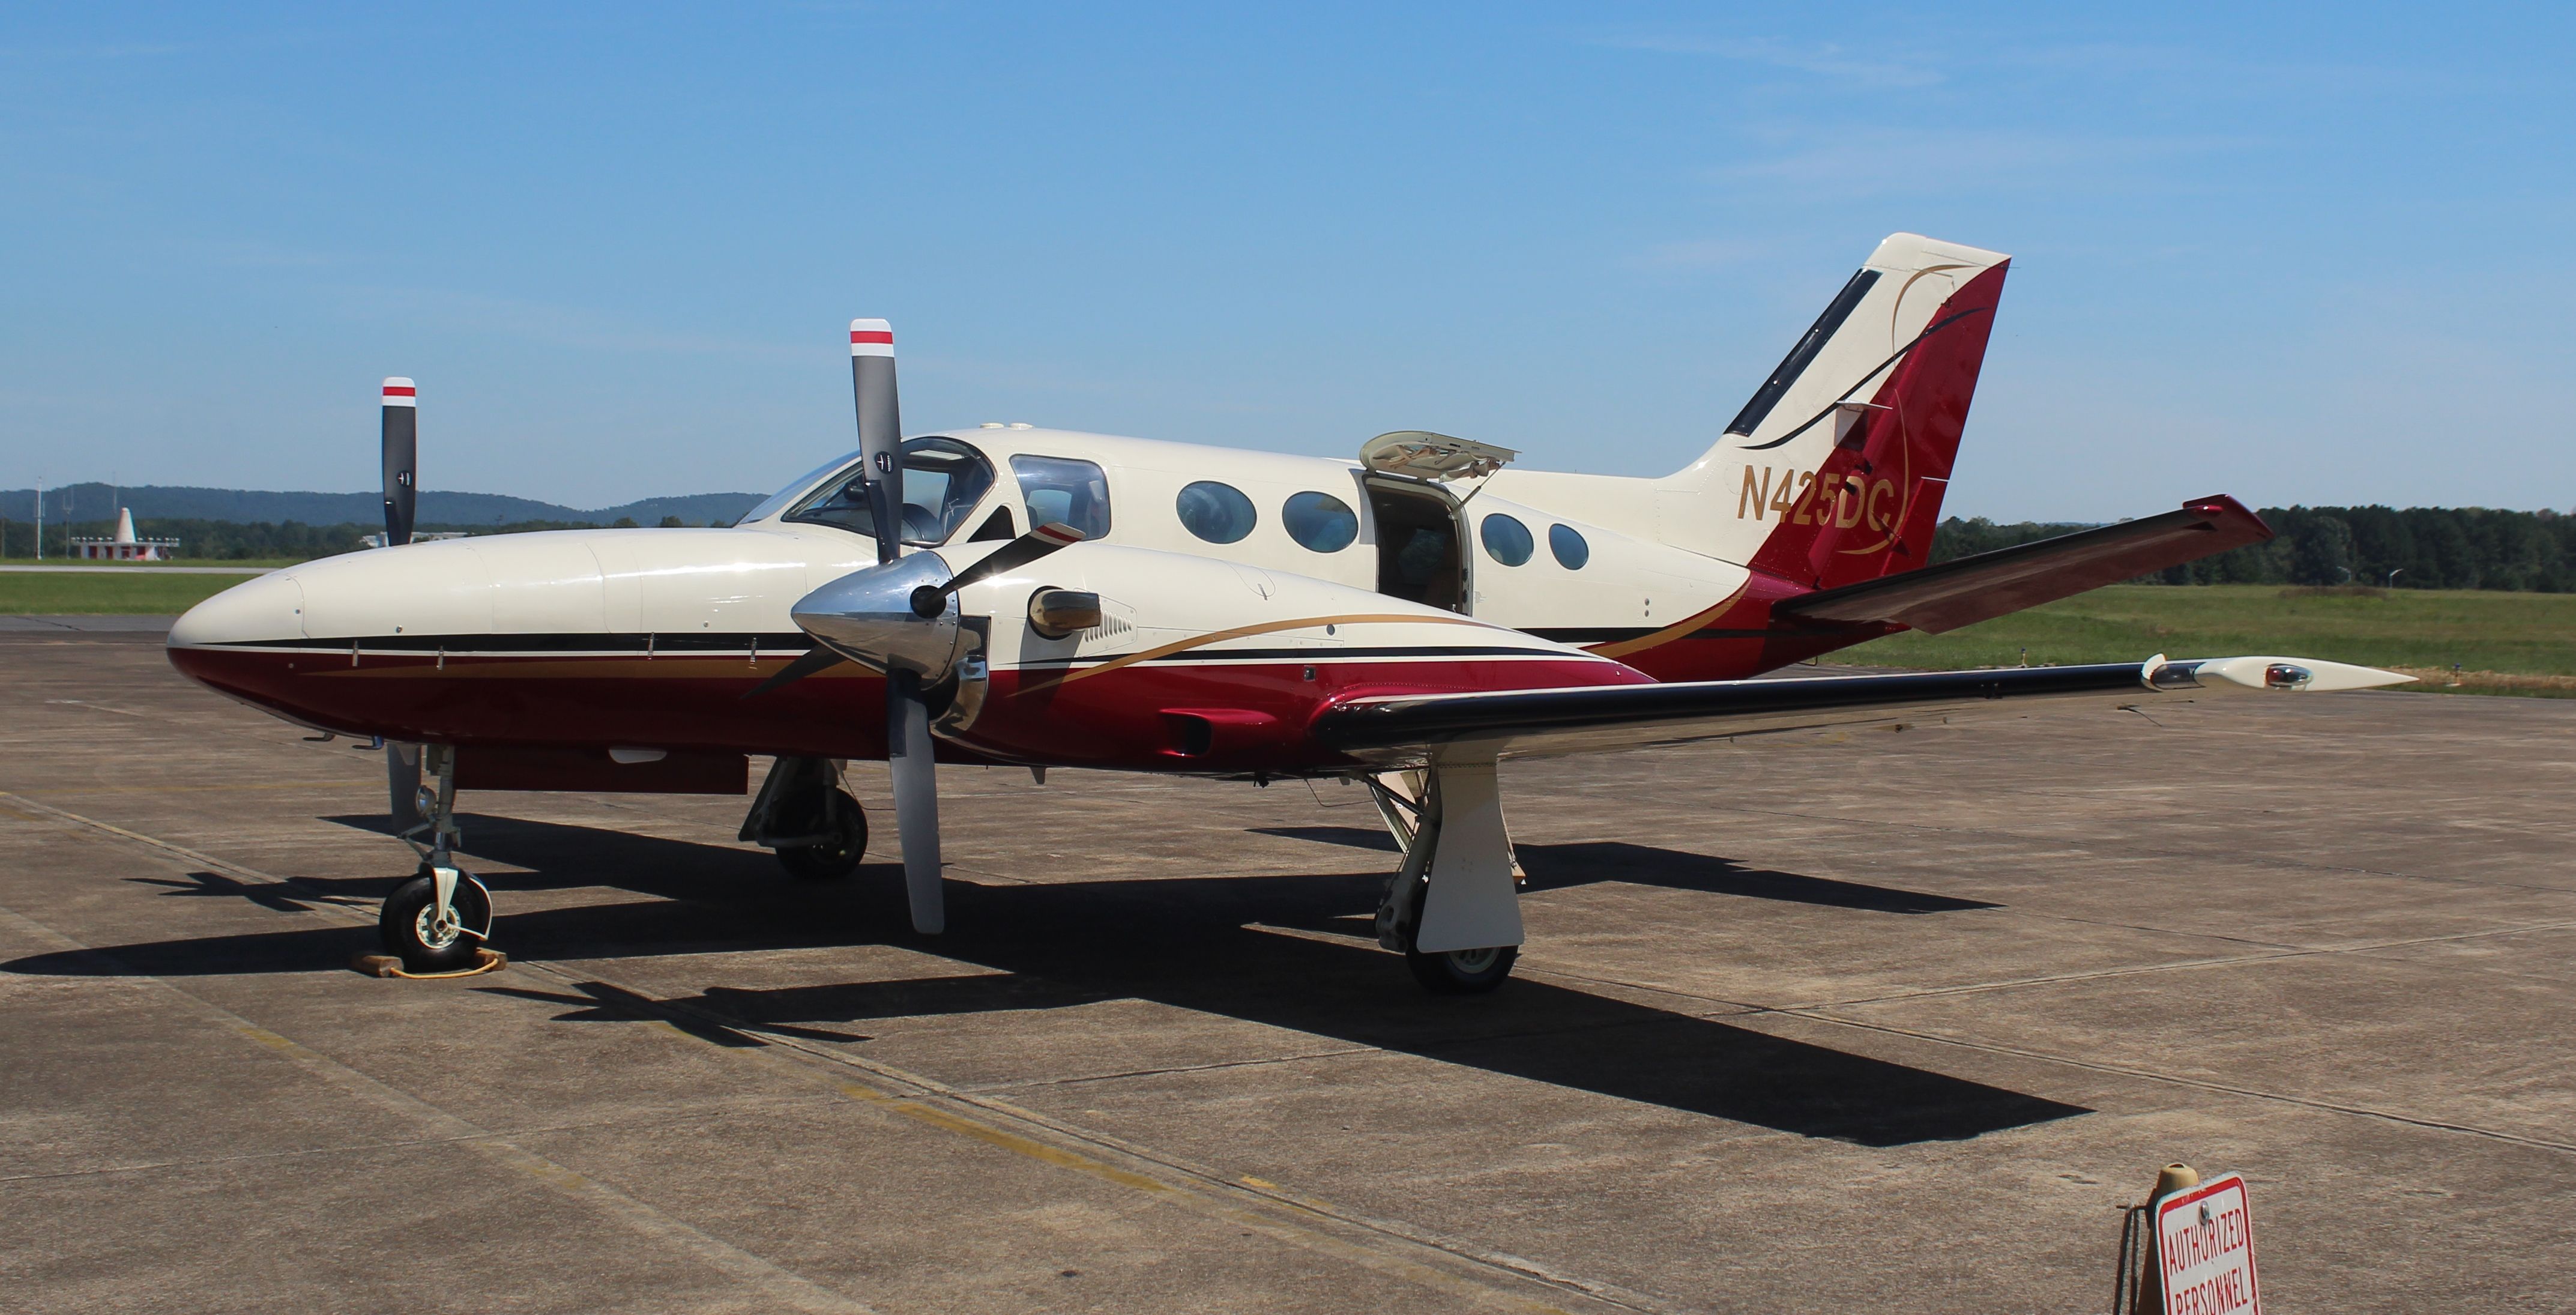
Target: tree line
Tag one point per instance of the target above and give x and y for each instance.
(2408, 548)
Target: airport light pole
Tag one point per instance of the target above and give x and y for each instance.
(2392, 576)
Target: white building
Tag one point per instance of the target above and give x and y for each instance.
(125, 547)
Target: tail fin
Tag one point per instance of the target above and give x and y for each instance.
(1833, 473)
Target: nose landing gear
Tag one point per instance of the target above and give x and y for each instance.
(802, 812)
(439, 920)
(436, 922)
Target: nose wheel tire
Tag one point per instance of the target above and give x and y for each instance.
(837, 857)
(1462, 972)
(411, 929)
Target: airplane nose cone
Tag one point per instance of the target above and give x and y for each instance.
(868, 615)
(269, 607)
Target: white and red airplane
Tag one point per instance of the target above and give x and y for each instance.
(1045, 598)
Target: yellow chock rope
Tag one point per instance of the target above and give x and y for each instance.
(386, 965)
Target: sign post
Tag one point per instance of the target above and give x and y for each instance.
(2204, 1250)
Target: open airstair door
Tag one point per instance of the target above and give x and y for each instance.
(1421, 553)
(1421, 526)
(1422, 454)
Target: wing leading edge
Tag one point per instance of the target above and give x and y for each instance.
(1544, 722)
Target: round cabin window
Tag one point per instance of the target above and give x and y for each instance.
(1507, 540)
(1568, 545)
(1320, 521)
(1218, 513)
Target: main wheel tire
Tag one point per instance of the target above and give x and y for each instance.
(1462, 972)
(407, 927)
(1455, 972)
(838, 858)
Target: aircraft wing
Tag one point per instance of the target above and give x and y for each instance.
(1593, 719)
(1990, 584)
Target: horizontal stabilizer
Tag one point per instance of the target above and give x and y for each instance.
(1992, 584)
(1593, 719)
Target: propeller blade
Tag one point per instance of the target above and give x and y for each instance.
(916, 799)
(908, 749)
(817, 658)
(880, 430)
(1019, 552)
(402, 459)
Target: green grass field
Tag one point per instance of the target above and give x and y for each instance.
(93, 593)
(2521, 643)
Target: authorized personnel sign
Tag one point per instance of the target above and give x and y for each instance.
(2205, 1250)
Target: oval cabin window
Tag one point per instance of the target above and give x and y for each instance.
(1218, 513)
(1506, 539)
(1320, 521)
(1568, 545)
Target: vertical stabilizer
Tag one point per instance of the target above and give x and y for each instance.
(1833, 471)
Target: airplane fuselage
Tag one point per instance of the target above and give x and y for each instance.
(1241, 593)
(1304, 579)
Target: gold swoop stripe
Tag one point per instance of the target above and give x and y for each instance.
(1269, 627)
(1668, 634)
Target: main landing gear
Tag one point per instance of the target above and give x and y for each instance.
(819, 831)
(437, 921)
(1453, 909)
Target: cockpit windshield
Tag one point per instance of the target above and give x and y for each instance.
(943, 479)
(787, 492)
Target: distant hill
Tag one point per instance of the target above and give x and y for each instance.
(91, 502)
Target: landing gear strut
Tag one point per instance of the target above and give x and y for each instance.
(1398, 796)
(437, 921)
(1452, 910)
(819, 831)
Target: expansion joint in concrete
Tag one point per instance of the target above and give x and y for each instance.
(1400, 1251)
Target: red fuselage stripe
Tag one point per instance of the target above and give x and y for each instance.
(695, 702)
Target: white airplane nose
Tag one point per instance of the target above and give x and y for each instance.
(268, 607)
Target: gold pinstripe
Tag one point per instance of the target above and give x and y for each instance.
(1271, 627)
(1624, 647)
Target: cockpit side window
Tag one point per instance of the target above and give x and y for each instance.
(1062, 489)
(943, 479)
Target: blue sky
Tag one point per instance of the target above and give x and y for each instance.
(2301, 253)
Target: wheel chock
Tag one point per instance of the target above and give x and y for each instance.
(386, 965)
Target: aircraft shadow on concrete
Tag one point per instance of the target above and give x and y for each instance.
(1191, 943)
(1557, 867)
